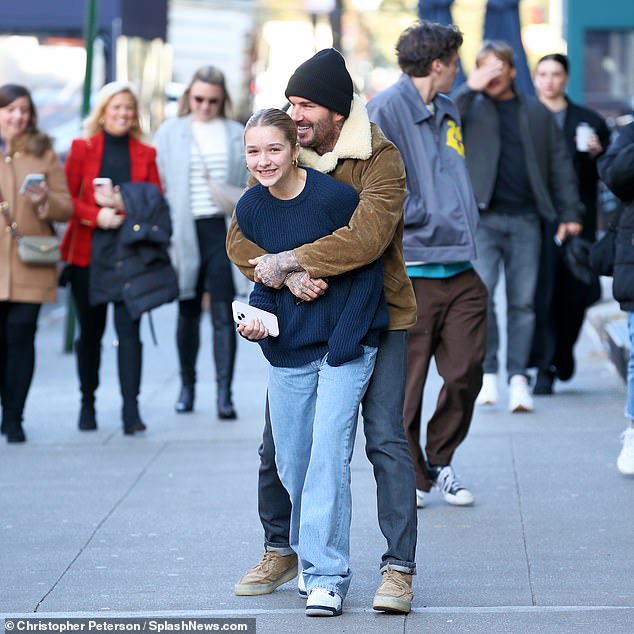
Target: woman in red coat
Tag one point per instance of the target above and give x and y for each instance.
(111, 150)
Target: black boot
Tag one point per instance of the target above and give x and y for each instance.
(87, 418)
(88, 362)
(129, 362)
(224, 356)
(187, 342)
(185, 402)
(14, 432)
(544, 382)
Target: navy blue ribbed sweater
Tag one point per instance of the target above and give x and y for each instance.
(351, 312)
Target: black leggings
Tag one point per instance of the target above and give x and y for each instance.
(92, 324)
(18, 324)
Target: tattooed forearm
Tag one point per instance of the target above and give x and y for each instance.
(273, 268)
(304, 287)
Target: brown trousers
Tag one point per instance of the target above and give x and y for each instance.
(451, 327)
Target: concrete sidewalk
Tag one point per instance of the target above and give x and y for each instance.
(98, 524)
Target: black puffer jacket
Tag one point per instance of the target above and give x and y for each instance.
(132, 264)
(616, 168)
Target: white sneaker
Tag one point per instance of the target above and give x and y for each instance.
(322, 602)
(446, 481)
(420, 499)
(625, 461)
(301, 586)
(520, 399)
(489, 392)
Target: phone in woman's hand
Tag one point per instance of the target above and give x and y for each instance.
(102, 182)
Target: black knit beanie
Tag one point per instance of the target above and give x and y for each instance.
(324, 80)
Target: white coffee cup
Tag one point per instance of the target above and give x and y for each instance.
(583, 133)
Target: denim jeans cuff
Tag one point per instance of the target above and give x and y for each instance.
(281, 549)
(408, 567)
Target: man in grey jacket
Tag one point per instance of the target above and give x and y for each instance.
(439, 243)
(521, 173)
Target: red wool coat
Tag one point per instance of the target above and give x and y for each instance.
(82, 166)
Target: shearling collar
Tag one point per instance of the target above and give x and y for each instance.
(355, 141)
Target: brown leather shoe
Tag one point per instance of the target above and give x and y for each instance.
(394, 593)
(270, 572)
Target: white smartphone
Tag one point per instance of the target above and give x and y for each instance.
(30, 180)
(243, 314)
(102, 182)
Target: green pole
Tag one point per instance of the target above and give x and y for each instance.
(90, 33)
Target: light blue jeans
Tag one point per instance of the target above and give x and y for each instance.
(629, 403)
(314, 410)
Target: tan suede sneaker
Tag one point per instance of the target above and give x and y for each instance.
(394, 594)
(270, 572)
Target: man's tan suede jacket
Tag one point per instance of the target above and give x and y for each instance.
(365, 159)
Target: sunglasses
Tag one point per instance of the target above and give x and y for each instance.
(211, 101)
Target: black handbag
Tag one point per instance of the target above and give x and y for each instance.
(603, 250)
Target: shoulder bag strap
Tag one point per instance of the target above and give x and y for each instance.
(206, 173)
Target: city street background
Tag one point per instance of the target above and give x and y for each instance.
(163, 524)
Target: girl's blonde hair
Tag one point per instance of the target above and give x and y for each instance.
(94, 121)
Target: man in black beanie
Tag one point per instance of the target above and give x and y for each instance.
(337, 138)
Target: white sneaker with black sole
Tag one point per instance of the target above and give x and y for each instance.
(446, 481)
(322, 602)
(420, 499)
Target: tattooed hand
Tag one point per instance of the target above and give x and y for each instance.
(271, 269)
(304, 287)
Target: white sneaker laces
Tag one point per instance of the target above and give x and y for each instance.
(447, 481)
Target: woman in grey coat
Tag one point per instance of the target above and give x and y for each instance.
(201, 162)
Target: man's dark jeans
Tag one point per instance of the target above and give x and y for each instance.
(387, 450)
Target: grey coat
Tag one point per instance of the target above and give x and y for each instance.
(173, 145)
(549, 166)
(440, 209)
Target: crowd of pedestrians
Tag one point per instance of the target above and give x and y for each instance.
(375, 234)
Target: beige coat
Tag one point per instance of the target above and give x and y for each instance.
(365, 159)
(21, 282)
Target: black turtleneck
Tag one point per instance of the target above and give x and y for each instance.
(116, 159)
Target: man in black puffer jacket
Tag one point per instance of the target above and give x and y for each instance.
(616, 168)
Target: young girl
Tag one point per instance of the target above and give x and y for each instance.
(322, 360)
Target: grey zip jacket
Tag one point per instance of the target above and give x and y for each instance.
(441, 214)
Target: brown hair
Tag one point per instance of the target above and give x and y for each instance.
(38, 142)
(423, 42)
(277, 119)
(208, 75)
(501, 49)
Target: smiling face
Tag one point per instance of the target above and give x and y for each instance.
(317, 127)
(120, 114)
(15, 118)
(269, 155)
(550, 79)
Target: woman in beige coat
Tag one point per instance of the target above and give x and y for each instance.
(24, 287)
